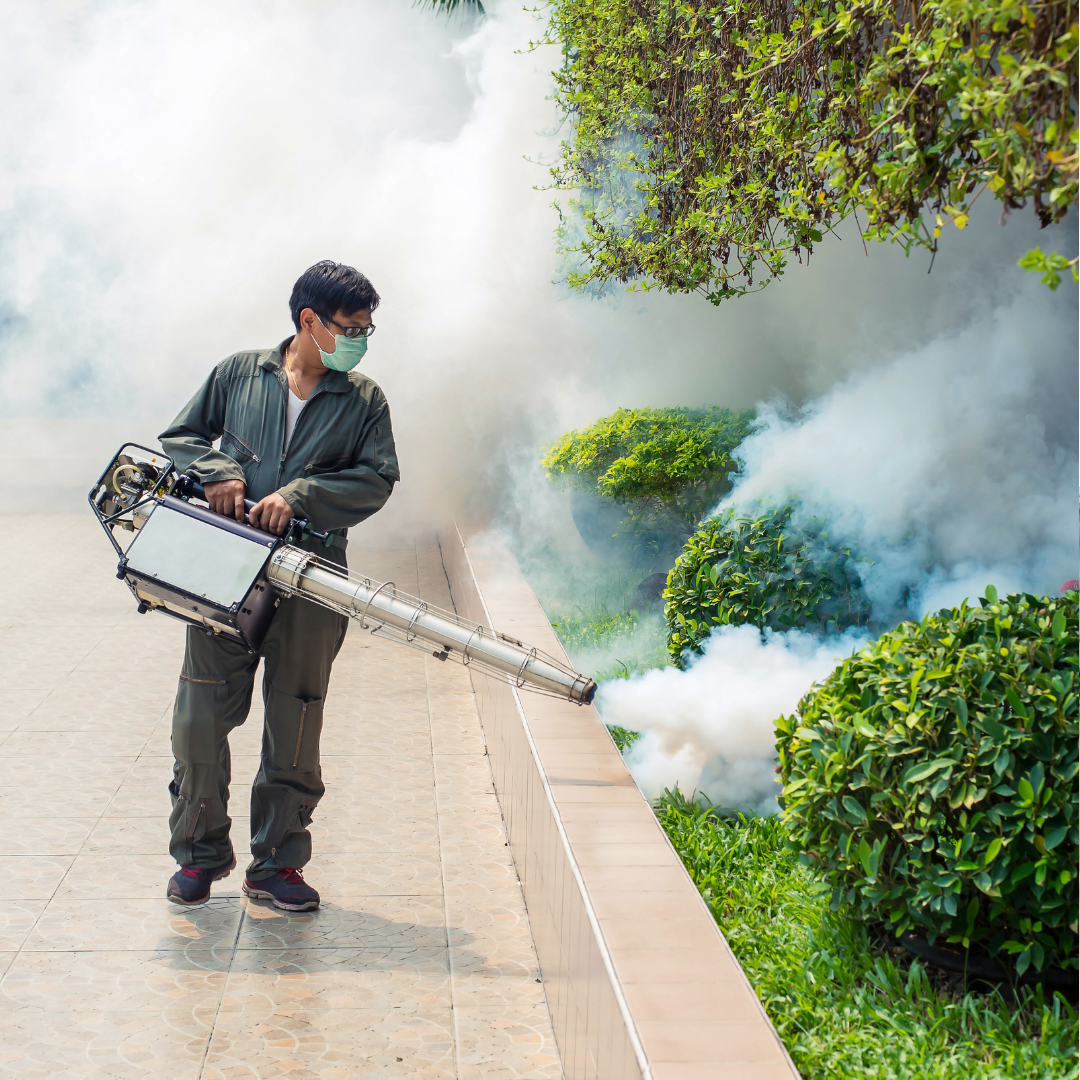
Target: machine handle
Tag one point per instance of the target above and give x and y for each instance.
(187, 486)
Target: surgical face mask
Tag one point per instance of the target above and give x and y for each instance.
(348, 353)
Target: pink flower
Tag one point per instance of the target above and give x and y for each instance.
(1070, 586)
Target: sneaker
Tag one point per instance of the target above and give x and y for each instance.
(191, 884)
(287, 889)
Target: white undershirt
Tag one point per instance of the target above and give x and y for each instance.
(292, 413)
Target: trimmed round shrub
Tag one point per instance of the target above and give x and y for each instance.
(763, 571)
(932, 779)
(667, 468)
(676, 455)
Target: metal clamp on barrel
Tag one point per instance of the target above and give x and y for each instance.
(367, 606)
(520, 682)
(287, 566)
(420, 609)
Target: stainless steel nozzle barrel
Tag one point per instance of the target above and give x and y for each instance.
(221, 575)
(381, 607)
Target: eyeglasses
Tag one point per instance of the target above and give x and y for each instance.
(353, 331)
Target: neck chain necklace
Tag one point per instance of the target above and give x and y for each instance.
(289, 372)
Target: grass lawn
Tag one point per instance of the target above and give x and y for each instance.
(608, 630)
(846, 1003)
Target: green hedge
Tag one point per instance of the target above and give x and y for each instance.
(760, 570)
(932, 778)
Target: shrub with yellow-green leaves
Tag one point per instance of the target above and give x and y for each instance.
(761, 570)
(667, 467)
(713, 142)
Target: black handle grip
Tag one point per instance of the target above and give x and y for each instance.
(193, 487)
(187, 486)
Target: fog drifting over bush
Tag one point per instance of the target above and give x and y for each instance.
(167, 171)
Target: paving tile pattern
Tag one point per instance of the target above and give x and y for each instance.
(420, 961)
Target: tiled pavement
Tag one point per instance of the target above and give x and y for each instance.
(419, 963)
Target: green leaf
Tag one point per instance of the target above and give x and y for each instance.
(1037, 776)
(864, 857)
(1055, 837)
(1048, 264)
(922, 771)
(1023, 962)
(1017, 705)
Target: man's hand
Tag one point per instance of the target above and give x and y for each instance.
(271, 514)
(226, 497)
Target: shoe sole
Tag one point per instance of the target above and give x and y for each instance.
(195, 903)
(262, 894)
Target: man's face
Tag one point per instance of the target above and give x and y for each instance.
(339, 324)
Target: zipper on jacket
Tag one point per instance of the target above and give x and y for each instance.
(243, 445)
(205, 682)
(284, 422)
(299, 420)
(300, 733)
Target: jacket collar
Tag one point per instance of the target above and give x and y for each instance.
(333, 382)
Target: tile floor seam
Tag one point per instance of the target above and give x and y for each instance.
(442, 878)
(221, 996)
(48, 695)
(75, 857)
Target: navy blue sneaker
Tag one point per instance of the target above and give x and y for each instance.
(287, 889)
(191, 884)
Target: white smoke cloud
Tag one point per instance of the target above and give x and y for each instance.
(167, 170)
(710, 728)
(948, 469)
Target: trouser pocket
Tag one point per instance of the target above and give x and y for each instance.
(289, 784)
(198, 724)
(291, 734)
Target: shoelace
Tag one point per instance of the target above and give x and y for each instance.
(192, 871)
(293, 877)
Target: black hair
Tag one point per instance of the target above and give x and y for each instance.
(329, 287)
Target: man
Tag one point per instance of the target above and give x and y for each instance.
(303, 435)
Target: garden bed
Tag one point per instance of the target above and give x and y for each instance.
(847, 1002)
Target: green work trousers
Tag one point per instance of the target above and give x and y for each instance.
(214, 697)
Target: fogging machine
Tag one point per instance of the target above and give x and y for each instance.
(228, 577)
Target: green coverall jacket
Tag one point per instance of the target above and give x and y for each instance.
(341, 464)
(339, 469)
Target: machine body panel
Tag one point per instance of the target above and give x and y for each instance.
(217, 564)
(203, 568)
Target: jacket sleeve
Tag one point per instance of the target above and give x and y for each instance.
(338, 500)
(189, 439)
